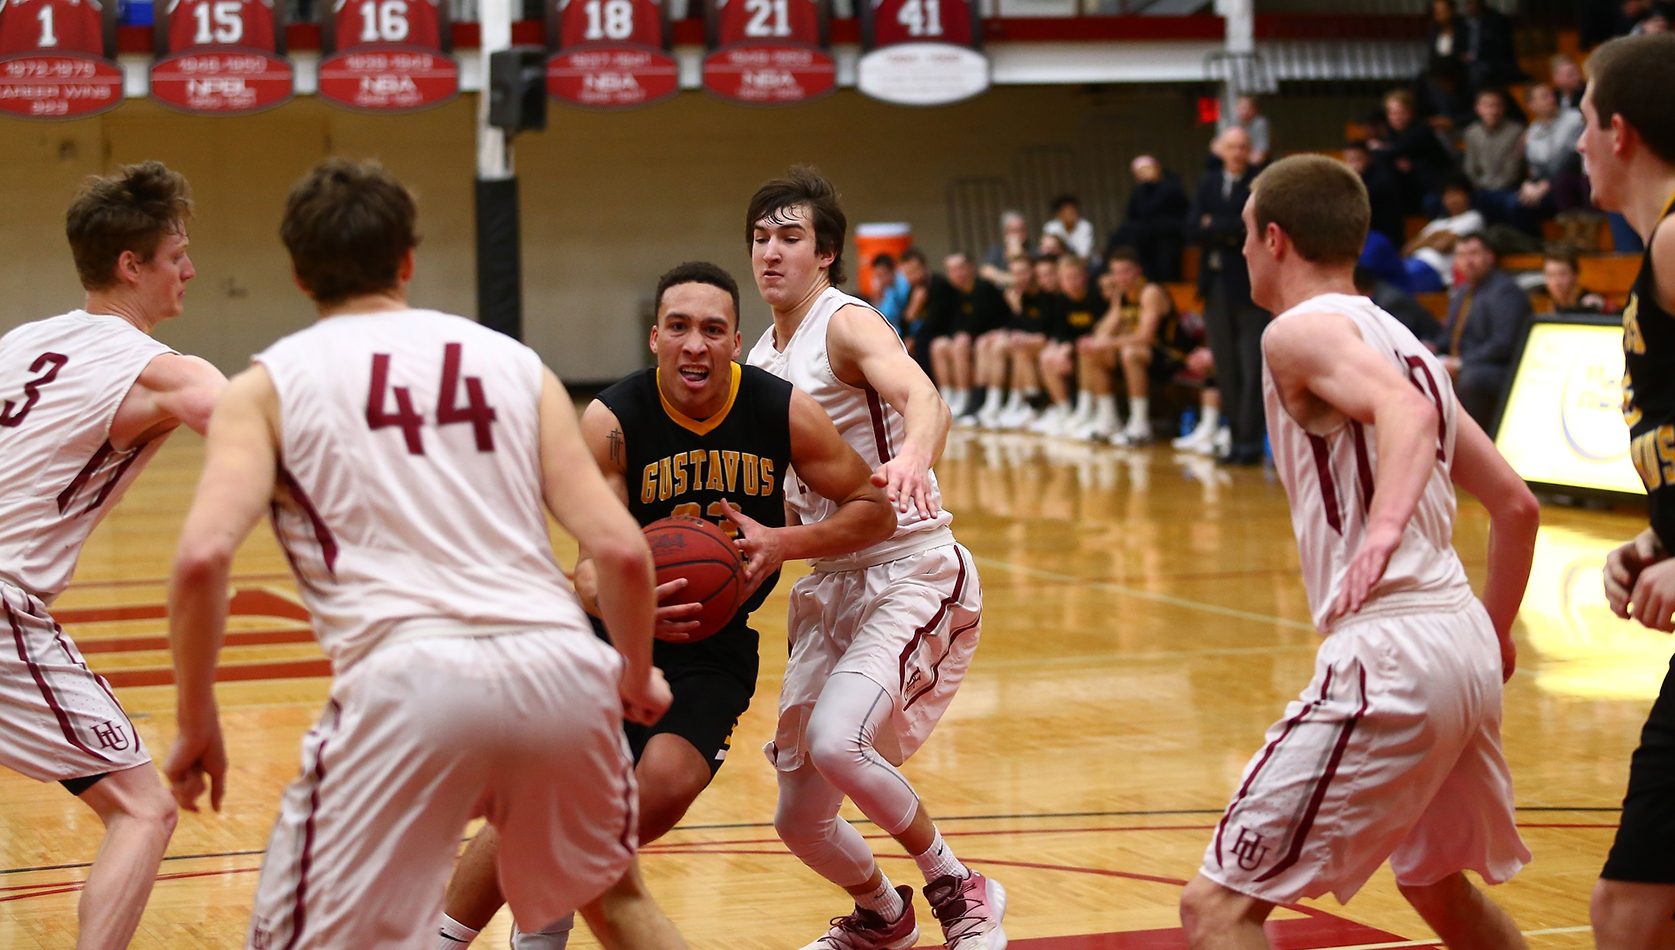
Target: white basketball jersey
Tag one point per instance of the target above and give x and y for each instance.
(410, 478)
(61, 382)
(1329, 478)
(868, 423)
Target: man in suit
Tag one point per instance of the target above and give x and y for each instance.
(1486, 312)
(1157, 210)
(1234, 324)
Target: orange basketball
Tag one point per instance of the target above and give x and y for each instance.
(703, 554)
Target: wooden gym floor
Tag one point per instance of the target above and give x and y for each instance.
(1144, 623)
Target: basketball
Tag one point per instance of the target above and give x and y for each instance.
(703, 554)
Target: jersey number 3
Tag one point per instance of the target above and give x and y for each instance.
(52, 363)
(476, 411)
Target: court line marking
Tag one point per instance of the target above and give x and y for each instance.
(1126, 591)
(1438, 942)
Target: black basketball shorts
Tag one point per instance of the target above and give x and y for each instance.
(1646, 837)
(708, 701)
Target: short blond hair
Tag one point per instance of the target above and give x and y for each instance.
(1320, 204)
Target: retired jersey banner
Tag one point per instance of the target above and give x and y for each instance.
(609, 54)
(55, 58)
(768, 51)
(921, 52)
(388, 55)
(221, 57)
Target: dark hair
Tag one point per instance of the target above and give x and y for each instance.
(1063, 200)
(1496, 91)
(1481, 237)
(131, 210)
(913, 254)
(804, 185)
(884, 259)
(1124, 253)
(1631, 76)
(1318, 202)
(1359, 144)
(1563, 253)
(1365, 279)
(1456, 181)
(347, 225)
(698, 272)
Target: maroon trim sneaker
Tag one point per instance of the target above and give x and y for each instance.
(969, 910)
(866, 930)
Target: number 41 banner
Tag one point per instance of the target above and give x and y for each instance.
(921, 52)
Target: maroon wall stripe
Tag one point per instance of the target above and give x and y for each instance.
(1302, 832)
(1268, 753)
(1328, 488)
(46, 690)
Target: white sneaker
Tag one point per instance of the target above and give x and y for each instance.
(1094, 430)
(1202, 434)
(989, 416)
(1137, 432)
(1220, 444)
(1018, 417)
(1051, 422)
(865, 930)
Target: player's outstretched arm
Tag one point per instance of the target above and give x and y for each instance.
(592, 512)
(172, 390)
(1320, 364)
(1514, 517)
(602, 432)
(234, 491)
(861, 346)
(827, 465)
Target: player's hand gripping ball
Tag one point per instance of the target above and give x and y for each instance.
(701, 553)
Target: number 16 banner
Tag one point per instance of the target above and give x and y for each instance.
(921, 52)
(388, 55)
(609, 54)
(768, 51)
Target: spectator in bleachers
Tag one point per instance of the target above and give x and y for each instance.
(1077, 309)
(1494, 155)
(1430, 255)
(1051, 246)
(1140, 337)
(1567, 81)
(1411, 151)
(1382, 192)
(1068, 225)
(1443, 44)
(1560, 275)
(1156, 220)
(1392, 300)
(916, 269)
(891, 292)
(1554, 182)
(1033, 311)
(1486, 46)
(1486, 312)
(1443, 98)
(1657, 22)
(1255, 124)
(1233, 322)
(1014, 242)
(961, 308)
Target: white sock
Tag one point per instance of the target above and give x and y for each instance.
(1084, 402)
(554, 936)
(961, 400)
(939, 861)
(454, 935)
(1015, 401)
(884, 901)
(947, 393)
(994, 398)
(1212, 418)
(1105, 409)
(1139, 410)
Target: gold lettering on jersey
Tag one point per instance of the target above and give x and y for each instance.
(767, 468)
(730, 459)
(1631, 412)
(698, 458)
(665, 479)
(750, 477)
(680, 474)
(715, 483)
(1633, 341)
(1654, 457)
(648, 485)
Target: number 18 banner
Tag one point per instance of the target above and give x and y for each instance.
(768, 51)
(609, 54)
(388, 55)
(921, 52)
(221, 57)
(56, 58)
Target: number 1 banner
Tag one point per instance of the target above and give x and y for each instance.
(768, 51)
(388, 55)
(609, 54)
(921, 52)
(56, 58)
(221, 57)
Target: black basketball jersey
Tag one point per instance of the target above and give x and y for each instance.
(675, 465)
(1649, 395)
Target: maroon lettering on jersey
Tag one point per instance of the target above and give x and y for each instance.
(609, 54)
(55, 58)
(921, 52)
(390, 55)
(768, 51)
(221, 57)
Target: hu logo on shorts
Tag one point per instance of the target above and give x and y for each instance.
(260, 936)
(1249, 849)
(111, 736)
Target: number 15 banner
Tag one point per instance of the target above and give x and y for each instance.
(921, 52)
(768, 51)
(221, 57)
(388, 55)
(609, 54)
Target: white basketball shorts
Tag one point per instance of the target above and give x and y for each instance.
(418, 738)
(1393, 751)
(62, 720)
(909, 625)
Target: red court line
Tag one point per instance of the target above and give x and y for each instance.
(226, 673)
(67, 887)
(163, 581)
(234, 638)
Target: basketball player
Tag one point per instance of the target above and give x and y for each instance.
(1628, 143)
(409, 458)
(703, 437)
(1393, 751)
(880, 639)
(86, 399)
(1141, 334)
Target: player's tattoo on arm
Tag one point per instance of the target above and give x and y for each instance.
(617, 454)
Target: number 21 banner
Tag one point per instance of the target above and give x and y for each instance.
(609, 54)
(56, 58)
(221, 57)
(388, 55)
(921, 52)
(768, 51)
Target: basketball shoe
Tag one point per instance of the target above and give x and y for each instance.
(970, 910)
(866, 930)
